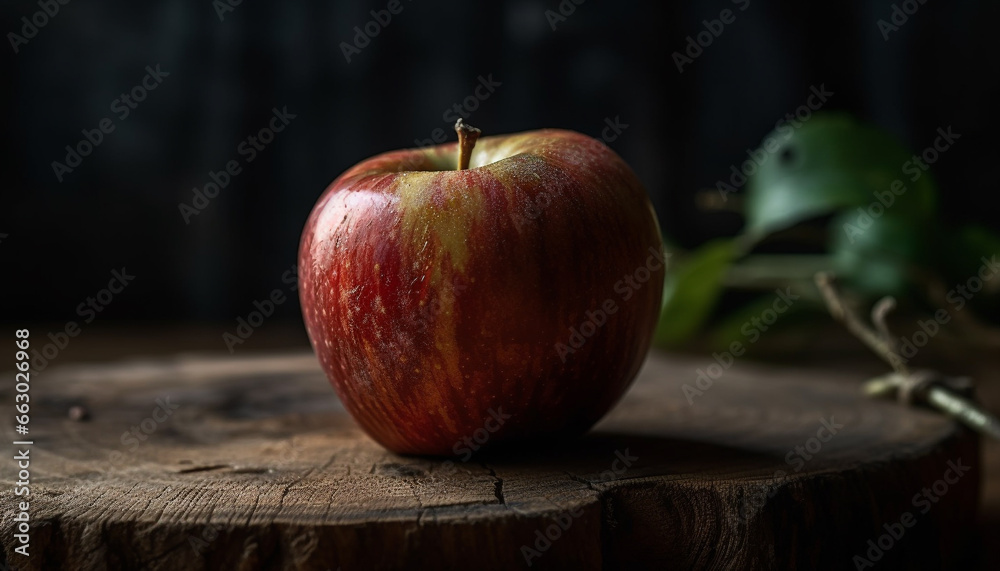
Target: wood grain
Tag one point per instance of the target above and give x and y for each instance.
(259, 467)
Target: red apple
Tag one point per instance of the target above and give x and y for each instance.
(453, 308)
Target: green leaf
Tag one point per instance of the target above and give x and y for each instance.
(691, 291)
(830, 162)
(876, 256)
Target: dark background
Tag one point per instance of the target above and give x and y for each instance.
(607, 60)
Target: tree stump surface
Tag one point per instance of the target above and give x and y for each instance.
(260, 467)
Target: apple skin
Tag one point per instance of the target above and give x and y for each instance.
(441, 303)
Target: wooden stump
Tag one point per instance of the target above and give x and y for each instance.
(259, 467)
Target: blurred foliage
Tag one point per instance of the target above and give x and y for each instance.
(877, 262)
(691, 291)
(877, 201)
(830, 163)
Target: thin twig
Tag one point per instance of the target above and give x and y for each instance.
(877, 343)
(923, 386)
(880, 310)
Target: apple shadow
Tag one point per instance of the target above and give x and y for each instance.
(646, 455)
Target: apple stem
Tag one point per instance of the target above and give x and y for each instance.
(467, 136)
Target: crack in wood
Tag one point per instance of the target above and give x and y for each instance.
(497, 485)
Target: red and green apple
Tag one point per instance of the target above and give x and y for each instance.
(481, 292)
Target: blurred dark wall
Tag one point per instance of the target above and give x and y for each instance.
(606, 60)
